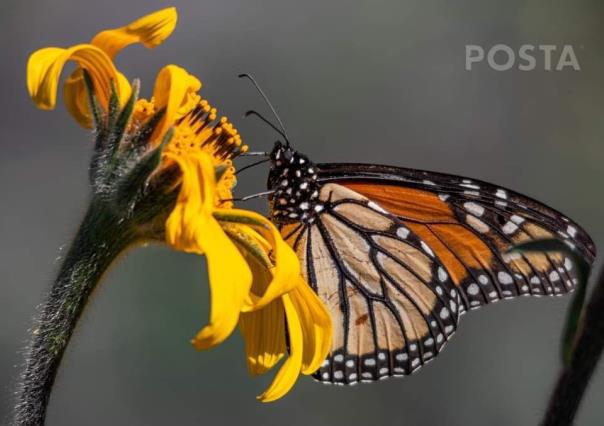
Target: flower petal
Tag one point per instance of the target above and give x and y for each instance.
(316, 326)
(192, 228)
(150, 30)
(290, 370)
(287, 267)
(75, 96)
(176, 91)
(263, 331)
(44, 70)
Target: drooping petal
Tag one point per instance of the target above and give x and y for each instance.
(44, 71)
(176, 91)
(316, 326)
(192, 228)
(290, 370)
(150, 30)
(287, 267)
(263, 330)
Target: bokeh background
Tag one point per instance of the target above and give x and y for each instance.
(379, 81)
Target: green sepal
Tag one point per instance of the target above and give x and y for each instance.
(95, 107)
(141, 138)
(249, 245)
(131, 186)
(114, 105)
(233, 217)
(116, 132)
(575, 310)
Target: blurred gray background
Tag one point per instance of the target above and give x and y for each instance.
(380, 81)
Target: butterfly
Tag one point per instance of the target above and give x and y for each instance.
(399, 255)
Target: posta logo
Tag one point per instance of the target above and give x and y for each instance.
(529, 57)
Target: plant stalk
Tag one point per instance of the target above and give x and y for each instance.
(102, 236)
(574, 378)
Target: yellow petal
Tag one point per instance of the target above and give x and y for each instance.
(192, 228)
(316, 326)
(150, 30)
(264, 335)
(176, 91)
(287, 267)
(289, 371)
(75, 96)
(44, 70)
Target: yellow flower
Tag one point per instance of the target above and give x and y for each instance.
(254, 275)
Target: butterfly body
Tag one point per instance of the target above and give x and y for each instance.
(397, 255)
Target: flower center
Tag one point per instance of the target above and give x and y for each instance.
(198, 130)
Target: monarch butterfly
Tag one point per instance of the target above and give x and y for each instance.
(398, 255)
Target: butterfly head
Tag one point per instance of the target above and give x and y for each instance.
(293, 177)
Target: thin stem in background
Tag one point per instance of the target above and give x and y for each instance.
(575, 376)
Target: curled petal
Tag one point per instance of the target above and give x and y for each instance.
(150, 30)
(176, 91)
(289, 371)
(316, 326)
(75, 96)
(286, 271)
(44, 71)
(192, 228)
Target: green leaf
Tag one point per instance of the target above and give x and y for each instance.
(575, 310)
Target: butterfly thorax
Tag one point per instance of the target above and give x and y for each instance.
(293, 178)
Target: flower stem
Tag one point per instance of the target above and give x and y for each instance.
(101, 237)
(574, 378)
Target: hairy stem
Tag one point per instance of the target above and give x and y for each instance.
(100, 238)
(574, 378)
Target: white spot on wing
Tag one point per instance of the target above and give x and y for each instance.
(427, 249)
(402, 232)
(442, 275)
(376, 207)
(475, 209)
(509, 228)
(473, 289)
(505, 278)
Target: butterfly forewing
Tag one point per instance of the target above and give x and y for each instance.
(471, 225)
(391, 300)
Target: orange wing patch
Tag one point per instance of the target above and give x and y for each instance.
(434, 222)
(457, 248)
(418, 205)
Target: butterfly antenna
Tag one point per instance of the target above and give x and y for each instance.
(261, 117)
(249, 166)
(257, 86)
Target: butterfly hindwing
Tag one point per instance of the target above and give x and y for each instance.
(391, 300)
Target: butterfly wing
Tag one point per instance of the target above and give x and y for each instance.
(470, 225)
(393, 304)
(398, 254)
